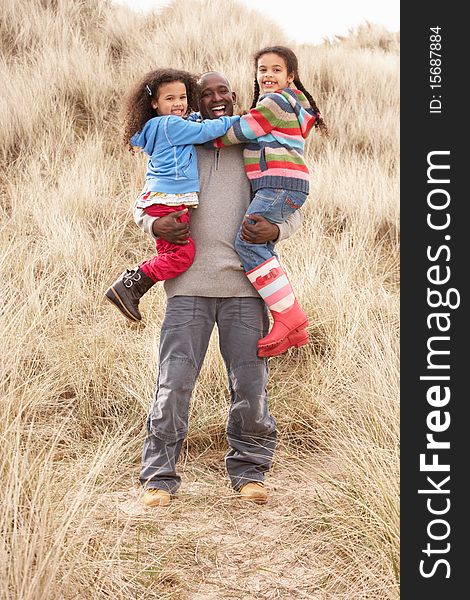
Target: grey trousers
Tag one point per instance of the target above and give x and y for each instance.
(251, 430)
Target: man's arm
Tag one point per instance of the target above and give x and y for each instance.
(260, 232)
(167, 228)
(263, 231)
(291, 225)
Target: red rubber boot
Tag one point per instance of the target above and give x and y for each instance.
(290, 321)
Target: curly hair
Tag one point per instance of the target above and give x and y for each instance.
(292, 65)
(137, 105)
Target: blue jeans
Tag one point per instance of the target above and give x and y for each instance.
(275, 205)
(251, 430)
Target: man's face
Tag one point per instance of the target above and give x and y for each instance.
(216, 99)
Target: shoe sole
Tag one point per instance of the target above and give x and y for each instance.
(295, 339)
(297, 329)
(119, 304)
(254, 500)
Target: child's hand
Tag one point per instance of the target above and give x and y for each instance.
(259, 232)
(170, 229)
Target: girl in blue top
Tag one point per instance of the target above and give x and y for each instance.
(155, 114)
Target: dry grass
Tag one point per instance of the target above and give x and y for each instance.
(77, 382)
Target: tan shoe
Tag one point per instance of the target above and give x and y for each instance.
(156, 497)
(254, 492)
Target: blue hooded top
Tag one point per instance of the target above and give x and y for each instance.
(172, 166)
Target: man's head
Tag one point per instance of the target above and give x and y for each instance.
(216, 97)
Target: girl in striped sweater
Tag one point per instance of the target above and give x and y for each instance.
(274, 131)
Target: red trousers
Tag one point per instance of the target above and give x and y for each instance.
(172, 259)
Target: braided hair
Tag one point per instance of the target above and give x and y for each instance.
(292, 65)
(137, 105)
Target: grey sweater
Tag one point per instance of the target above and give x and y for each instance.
(224, 197)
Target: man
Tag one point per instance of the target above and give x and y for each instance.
(213, 291)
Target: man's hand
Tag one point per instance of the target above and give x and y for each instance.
(170, 229)
(260, 231)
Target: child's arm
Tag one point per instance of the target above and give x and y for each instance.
(180, 132)
(261, 120)
(262, 230)
(270, 113)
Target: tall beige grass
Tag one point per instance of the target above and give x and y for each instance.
(77, 381)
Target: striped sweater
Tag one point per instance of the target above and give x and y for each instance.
(274, 132)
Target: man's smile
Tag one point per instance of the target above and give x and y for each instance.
(219, 110)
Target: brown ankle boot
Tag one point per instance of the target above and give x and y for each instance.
(126, 292)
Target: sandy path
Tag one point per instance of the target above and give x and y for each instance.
(216, 547)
